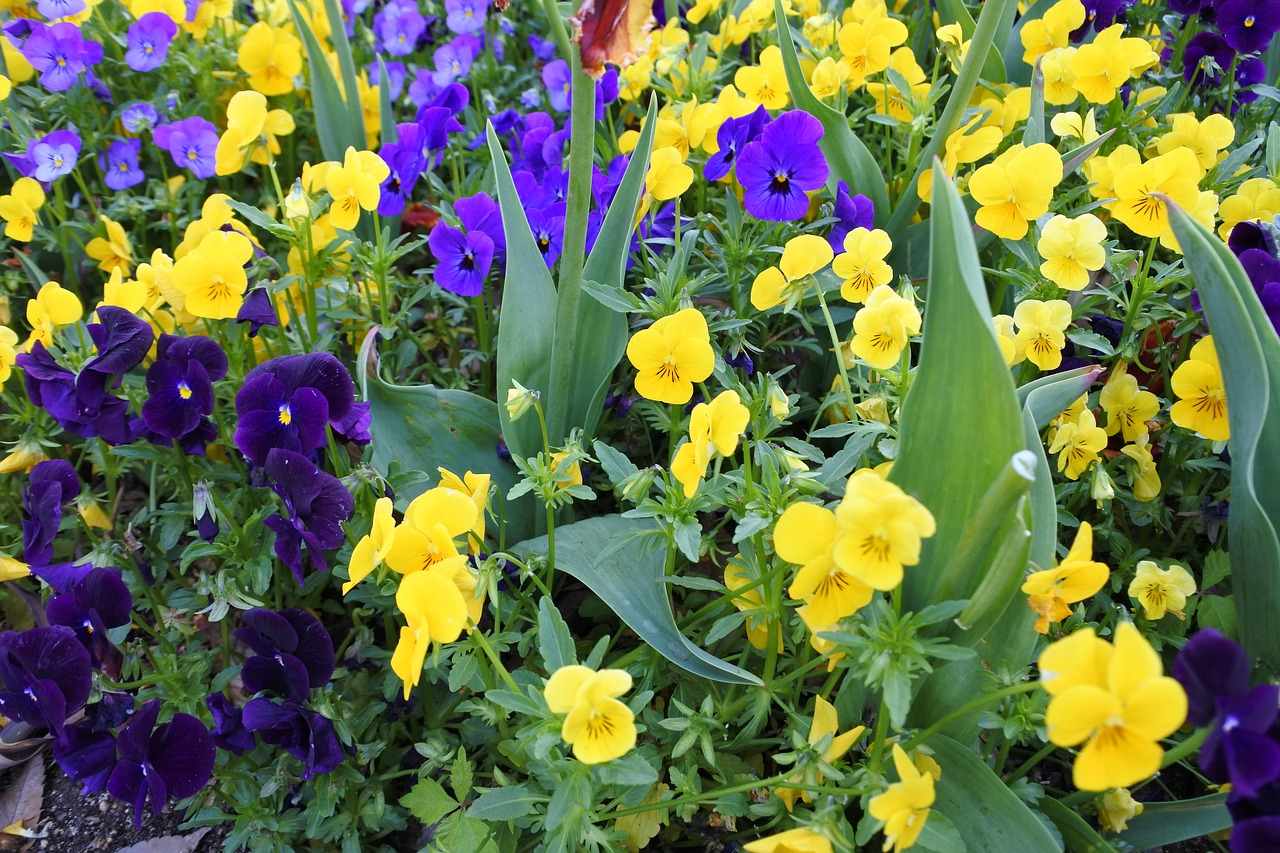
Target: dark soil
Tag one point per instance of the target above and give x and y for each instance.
(73, 823)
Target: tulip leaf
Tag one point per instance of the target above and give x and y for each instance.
(527, 321)
(849, 159)
(1168, 823)
(983, 810)
(423, 427)
(621, 561)
(1249, 354)
(334, 125)
(347, 67)
(1078, 835)
(602, 331)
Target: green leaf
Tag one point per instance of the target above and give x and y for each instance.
(960, 422)
(555, 644)
(616, 558)
(428, 801)
(1217, 568)
(460, 775)
(602, 331)
(940, 835)
(631, 770)
(423, 427)
(527, 322)
(347, 68)
(1168, 823)
(848, 157)
(1219, 612)
(332, 116)
(506, 803)
(985, 812)
(955, 12)
(1249, 354)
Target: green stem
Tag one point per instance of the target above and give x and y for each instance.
(478, 637)
(578, 200)
(1184, 749)
(1027, 766)
(835, 342)
(980, 702)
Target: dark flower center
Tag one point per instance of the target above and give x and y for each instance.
(780, 184)
(469, 262)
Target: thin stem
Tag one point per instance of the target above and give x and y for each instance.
(835, 342)
(980, 702)
(479, 638)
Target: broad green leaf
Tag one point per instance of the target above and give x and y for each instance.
(333, 125)
(428, 801)
(1249, 354)
(423, 427)
(602, 331)
(526, 324)
(620, 560)
(960, 422)
(849, 159)
(985, 812)
(1169, 823)
(504, 803)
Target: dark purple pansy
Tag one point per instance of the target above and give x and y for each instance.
(180, 384)
(406, 161)
(44, 676)
(148, 39)
(851, 211)
(306, 735)
(354, 426)
(1248, 25)
(315, 505)
(174, 760)
(51, 485)
(286, 402)
(97, 603)
(1255, 246)
(1249, 73)
(1202, 48)
(547, 225)
(258, 310)
(87, 755)
(1258, 835)
(293, 653)
(732, 136)
(80, 404)
(228, 732)
(122, 341)
(778, 169)
(1098, 15)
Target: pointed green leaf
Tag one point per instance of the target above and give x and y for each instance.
(347, 68)
(1249, 353)
(983, 810)
(960, 421)
(849, 159)
(333, 127)
(955, 12)
(1168, 823)
(526, 324)
(618, 559)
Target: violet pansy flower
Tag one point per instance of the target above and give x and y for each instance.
(97, 603)
(180, 385)
(778, 169)
(465, 16)
(120, 164)
(44, 676)
(54, 155)
(51, 485)
(306, 735)
(170, 761)
(148, 39)
(315, 505)
(192, 143)
(293, 653)
(60, 53)
(287, 402)
(733, 135)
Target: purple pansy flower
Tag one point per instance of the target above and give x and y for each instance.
(287, 401)
(228, 732)
(315, 503)
(779, 168)
(55, 9)
(464, 260)
(192, 143)
(398, 27)
(97, 603)
(465, 16)
(148, 40)
(1200, 49)
(60, 53)
(44, 676)
(544, 50)
(87, 755)
(174, 760)
(306, 735)
(293, 653)
(138, 117)
(1248, 25)
(180, 385)
(54, 155)
(406, 161)
(851, 211)
(258, 310)
(452, 61)
(734, 134)
(51, 485)
(120, 164)
(556, 77)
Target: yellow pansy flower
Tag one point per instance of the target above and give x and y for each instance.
(1202, 399)
(1205, 138)
(862, 264)
(904, 806)
(1013, 350)
(714, 429)
(435, 611)
(598, 726)
(18, 208)
(476, 486)
(1072, 248)
(1108, 62)
(791, 841)
(432, 522)
(806, 535)
(12, 568)
(1015, 188)
(1041, 330)
(113, 251)
(1059, 79)
(1161, 591)
(1127, 406)
(212, 277)
(1116, 808)
(372, 548)
(892, 102)
(271, 57)
(667, 178)
(8, 353)
(53, 306)
(1051, 592)
(1115, 700)
(1257, 198)
(802, 257)
(879, 529)
(671, 355)
(1078, 443)
(1146, 479)
(1052, 30)
(823, 725)
(882, 327)
(354, 185)
(765, 83)
(737, 576)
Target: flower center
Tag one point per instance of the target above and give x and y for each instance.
(184, 390)
(669, 371)
(286, 414)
